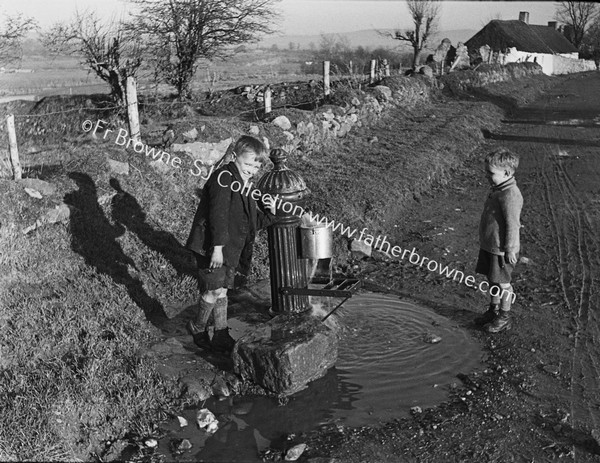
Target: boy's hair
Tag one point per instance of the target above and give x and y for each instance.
(502, 158)
(248, 144)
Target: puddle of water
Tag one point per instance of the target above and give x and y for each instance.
(384, 368)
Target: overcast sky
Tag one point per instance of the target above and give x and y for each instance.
(309, 17)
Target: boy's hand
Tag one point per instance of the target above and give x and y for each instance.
(270, 204)
(511, 257)
(216, 260)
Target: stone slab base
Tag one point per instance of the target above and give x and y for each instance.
(286, 353)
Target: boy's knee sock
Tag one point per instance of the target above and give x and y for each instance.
(495, 292)
(221, 313)
(507, 296)
(204, 310)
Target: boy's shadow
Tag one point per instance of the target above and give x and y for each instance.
(127, 212)
(94, 238)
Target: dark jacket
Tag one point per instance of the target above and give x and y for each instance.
(500, 221)
(225, 217)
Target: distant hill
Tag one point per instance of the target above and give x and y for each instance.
(366, 38)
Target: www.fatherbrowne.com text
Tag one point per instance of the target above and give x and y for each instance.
(378, 243)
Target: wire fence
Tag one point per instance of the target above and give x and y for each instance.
(48, 122)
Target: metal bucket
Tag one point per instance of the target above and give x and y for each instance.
(316, 242)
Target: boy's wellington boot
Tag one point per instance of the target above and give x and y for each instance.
(198, 327)
(222, 341)
(501, 323)
(202, 340)
(488, 316)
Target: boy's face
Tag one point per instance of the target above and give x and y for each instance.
(497, 175)
(247, 164)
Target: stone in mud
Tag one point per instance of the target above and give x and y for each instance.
(286, 353)
(294, 453)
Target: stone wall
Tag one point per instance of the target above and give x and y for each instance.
(563, 65)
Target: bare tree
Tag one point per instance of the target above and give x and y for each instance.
(579, 16)
(181, 32)
(12, 33)
(104, 47)
(424, 14)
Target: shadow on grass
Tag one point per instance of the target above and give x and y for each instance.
(94, 238)
(127, 212)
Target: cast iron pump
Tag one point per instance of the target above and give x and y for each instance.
(286, 271)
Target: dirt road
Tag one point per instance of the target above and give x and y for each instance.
(539, 398)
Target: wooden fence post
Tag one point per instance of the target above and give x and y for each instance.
(326, 82)
(373, 67)
(132, 110)
(267, 98)
(14, 150)
(386, 68)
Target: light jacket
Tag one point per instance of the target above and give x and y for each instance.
(500, 220)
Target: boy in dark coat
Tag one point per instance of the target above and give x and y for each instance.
(499, 237)
(222, 236)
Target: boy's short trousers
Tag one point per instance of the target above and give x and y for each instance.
(495, 267)
(213, 278)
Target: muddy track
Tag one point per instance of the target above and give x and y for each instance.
(567, 174)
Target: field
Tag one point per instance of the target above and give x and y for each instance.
(66, 75)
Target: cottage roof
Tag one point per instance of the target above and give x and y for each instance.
(501, 35)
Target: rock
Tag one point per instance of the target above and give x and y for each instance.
(152, 443)
(182, 421)
(219, 387)
(344, 129)
(195, 388)
(360, 249)
(33, 193)
(207, 421)
(178, 446)
(432, 338)
(117, 167)
(329, 116)
(355, 102)
(206, 152)
(326, 125)
(286, 353)
(190, 135)
(382, 92)
(288, 135)
(416, 410)
(353, 118)
(254, 130)
(282, 122)
(525, 261)
(294, 453)
(45, 188)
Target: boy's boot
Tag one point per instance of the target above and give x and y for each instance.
(199, 328)
(503, 320)
(222, 341)
(501, 323)
(489, 315)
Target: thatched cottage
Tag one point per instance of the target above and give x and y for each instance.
(518, 41)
